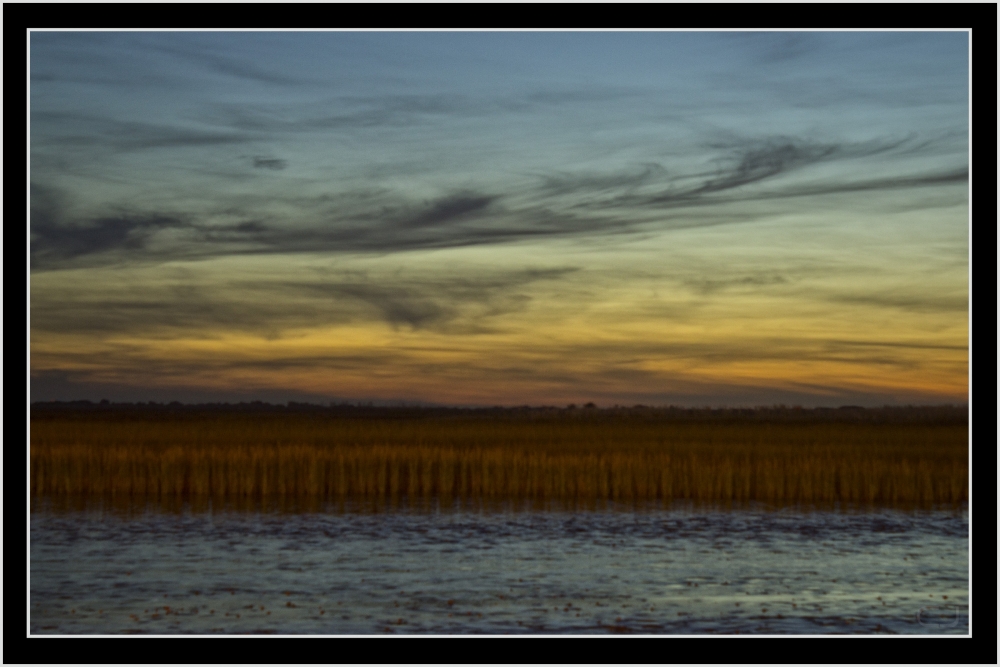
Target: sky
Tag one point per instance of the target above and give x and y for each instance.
(500, 218)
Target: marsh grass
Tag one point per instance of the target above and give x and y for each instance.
(240, 459)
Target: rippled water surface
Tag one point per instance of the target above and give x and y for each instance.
(681, 571)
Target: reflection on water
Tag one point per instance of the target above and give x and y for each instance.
(681, 570)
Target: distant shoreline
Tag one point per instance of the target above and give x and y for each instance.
(938, 414)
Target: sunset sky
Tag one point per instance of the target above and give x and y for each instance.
(500, 218)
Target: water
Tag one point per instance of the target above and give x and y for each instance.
(656, 571)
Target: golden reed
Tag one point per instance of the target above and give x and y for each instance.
(577, 457)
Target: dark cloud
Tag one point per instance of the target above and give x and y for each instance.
(396, 110)
(922, 303)
(163, 311)
(241, 68)
(54, 129)
(54, 241)
(384, 224)
(135, 387)
(621, 360)
(449, 302)
(773, 47)
(765, 160)
(397, 305)
(564, 204)
(446, 209)
(344, 112)
(172, 379)
(751, 162)
(388, 110)
(244, 70)
(946, 177)
(635, 386)
(429, 303)
(747, 171)
(581, 96)
(896, 344)
(566, 183)
(102, 234)
(271, 163)
(709, 286)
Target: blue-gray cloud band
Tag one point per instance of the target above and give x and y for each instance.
(556, 205)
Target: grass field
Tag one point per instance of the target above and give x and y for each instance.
(915, 457)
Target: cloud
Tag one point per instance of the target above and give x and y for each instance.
(58, 128)
(773, 47)
(446, 301)
(569, 182)
(710, 286)
(396, 110)
(445, 210)
(563, 204)
(607, 372)
(102, 234)
(751, 162)
(766, 159)
(240, 68)
(748, 171)
(944, 177)
(920, 303)
(273, 164)
(344, 112)
(896, 344)
(396, 304)
(454, 301)
(135, 387)
(54, 241)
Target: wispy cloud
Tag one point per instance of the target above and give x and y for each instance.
(564, 204)
(450, 302)
(712, 285)
(500, 379)
(60, 128)
(913, 302)
(198, 53)
(765, 161)
(274, 164)
(54, 240)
